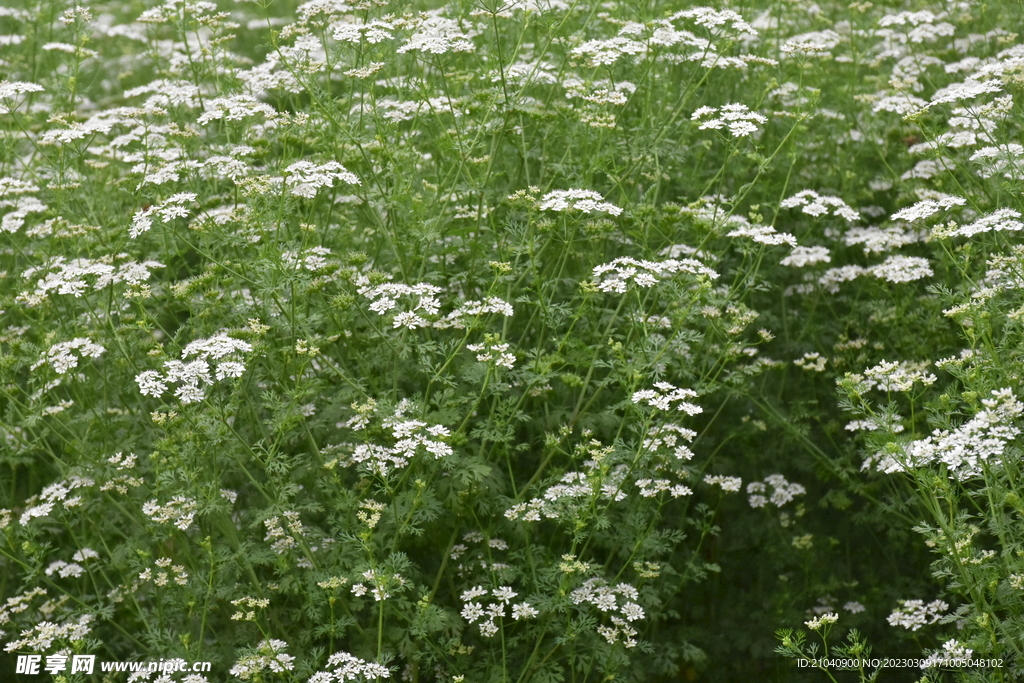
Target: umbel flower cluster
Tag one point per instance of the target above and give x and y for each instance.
(191, 375)
(532, 341)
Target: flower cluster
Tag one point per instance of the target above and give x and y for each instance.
(349, 668)
(736, 117)
(898, 268)
(616, 275)
(965, 450)
(814, 204)
(763, 234)
(928, 207)
(892, 376)
(41, 636)
(913, 614)
(312, 259)
(251, 604)
(235, 108)
(493, 351)
(179, 511)
(952, 650)
(618, 601)
(412, 437)
(812, 362)
(586, 201)
(385, 297)
(664, 395)
(501, 597)
(269, 655)
(166, 211)
(469, 311)
(43, 505)
(564, 498)
(69, 277)
(652, 487)
(165, 572)
(667, 438)
(806, 256)
(1002, 220)
(382, 584)
(283, 541)
(305, 178)
(192, 374)
(782, 491)
(60, 356)
(64, 569)
(728, 484)
(824, 620)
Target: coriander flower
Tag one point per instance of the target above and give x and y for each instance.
(964, 451)
(437, 35)
(814, 204)
(169, 209)
(824, 620)
(179, 511)
(1002, 220)
(305, 177)
(728, 484)
(967, 90)
(191, 375)
(913, 614)
(899, 268)
(608, 51)
(586, 201)
(235, 108)
(616, 275)
(928, 207)
(763, 234)
(736, 117)
(62, 360)
(493, 352)
(782, 491)
(269, 655)
(348, 667)
(806, 256)
(665, 395)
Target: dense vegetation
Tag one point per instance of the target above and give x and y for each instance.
(530, 342)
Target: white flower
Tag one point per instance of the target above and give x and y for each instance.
(814, 204)
(824, 620)
(616, 275)
(729, 484)
(764, 234)
(306, 178)
(179, 511)
(967, 90)
(964, 451)
(913, 614)
(736, 117)
(171, 208)
(586, 201)
(1002, 220)
(436, 35)
(269, 656)
(349, 668)
(899, 268)
(60, 356)
(235, 108)
(928, 207)
(523, 610)
(806, 256)
(666, 395)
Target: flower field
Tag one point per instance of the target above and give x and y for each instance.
(539, 341)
